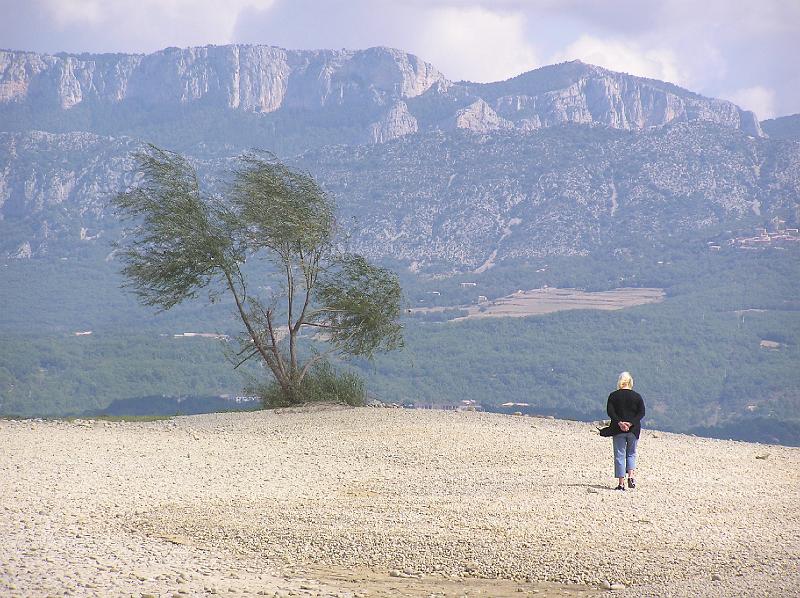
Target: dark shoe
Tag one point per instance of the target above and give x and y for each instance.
(620, 487)
(631, 483)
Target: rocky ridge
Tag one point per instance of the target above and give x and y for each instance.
(249, 78)
(457, 199)
(452, 173)
(384, 93)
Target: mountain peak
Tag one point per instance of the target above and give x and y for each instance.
(584, 93)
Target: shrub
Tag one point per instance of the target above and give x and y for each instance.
(322, 384)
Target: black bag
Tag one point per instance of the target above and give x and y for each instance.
(607, 431)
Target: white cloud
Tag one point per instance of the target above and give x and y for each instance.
(759, 99)
(475, 43)
(74, 11)
(463, 40)
(148, 25)
(625, 56)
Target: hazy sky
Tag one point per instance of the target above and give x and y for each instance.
(742, 50)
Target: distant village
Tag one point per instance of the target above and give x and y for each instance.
(780, 236)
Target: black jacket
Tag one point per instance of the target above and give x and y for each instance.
(625, 406)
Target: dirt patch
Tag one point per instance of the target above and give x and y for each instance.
(536, 302)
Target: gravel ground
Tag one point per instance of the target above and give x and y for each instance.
(388, 502)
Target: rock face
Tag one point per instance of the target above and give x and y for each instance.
(541, 164)
(580, 93)
(465, 201)
(35, 176)
(456, 199)
(784, 127)
(396, 123)
(250, 78)
(371, 95)
(478, 117)
(54, 189)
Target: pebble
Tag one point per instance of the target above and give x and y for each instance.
(382, 490)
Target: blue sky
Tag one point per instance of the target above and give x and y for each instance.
(742, 50)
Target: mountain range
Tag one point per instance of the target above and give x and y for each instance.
(557, 161)
(372, 95)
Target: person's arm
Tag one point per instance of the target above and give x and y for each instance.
(611, 410)
(639, 411)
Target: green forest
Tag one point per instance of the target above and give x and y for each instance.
(697, 357)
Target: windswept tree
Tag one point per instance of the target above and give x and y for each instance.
(181, 240)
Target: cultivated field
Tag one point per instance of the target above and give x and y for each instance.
(549, 300)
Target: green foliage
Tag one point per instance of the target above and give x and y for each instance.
(60, 374)
(281, 210)
(47, 297)
(363, 306)
(182, 241)
(179, 243)
(696, 357)
(322, 384)
(443, 315)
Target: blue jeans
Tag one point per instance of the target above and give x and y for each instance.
(624, 453)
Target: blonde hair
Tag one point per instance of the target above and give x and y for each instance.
(625, 381)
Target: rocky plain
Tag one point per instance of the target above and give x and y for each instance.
(332, 501)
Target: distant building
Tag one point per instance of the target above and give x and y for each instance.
(244, 399)
(202, 335)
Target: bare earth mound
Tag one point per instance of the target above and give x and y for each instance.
(382, 502)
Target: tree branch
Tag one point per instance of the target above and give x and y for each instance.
(318, 357)
(274, 343)
(253, 334)
(248, 358)
(290, 324)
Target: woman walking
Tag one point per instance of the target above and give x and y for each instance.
(626, 410)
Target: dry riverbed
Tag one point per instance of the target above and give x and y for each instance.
(385, 502)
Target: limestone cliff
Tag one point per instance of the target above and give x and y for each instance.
(396, 123)
(581, 93)
(478, 117)
(314, 98)
(251, 78)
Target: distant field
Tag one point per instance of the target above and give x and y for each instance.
(550, 300)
